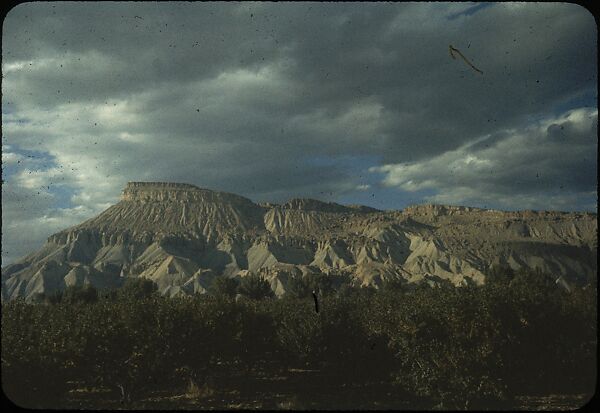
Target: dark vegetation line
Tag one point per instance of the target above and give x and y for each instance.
(469, 347)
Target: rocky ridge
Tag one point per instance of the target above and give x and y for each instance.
(182, 236)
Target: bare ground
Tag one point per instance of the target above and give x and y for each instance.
(295, 389)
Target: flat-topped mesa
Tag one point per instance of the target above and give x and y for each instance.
(177, 234)
(436, 210)
(433, 209)
(159, 185)
(308, 204)
(158, 191)
(169, 191)
(363, 208)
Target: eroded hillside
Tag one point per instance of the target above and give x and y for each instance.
(182, 237)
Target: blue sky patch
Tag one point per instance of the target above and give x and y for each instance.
(470, 11)
(588, 99)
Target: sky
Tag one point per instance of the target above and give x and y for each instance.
(356, 103)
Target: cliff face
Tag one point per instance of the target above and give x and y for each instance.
(166, 191)
(153, 210)
(182, 237)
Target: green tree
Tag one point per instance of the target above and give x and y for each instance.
(393, 285)
(255, 287)
(224, 287)
(80, 294)
(303, 286)
(138, 287)
(298, 287)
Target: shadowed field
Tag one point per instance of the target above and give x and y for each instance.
(519, 341)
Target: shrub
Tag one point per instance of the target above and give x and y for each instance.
(138, 287)
(322, 284)
(299, 287)
(468, 347)
(224, 287)
(255, 287)
(80, 294)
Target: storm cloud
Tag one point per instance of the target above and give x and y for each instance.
(354, 102)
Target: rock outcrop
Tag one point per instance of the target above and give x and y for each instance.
(182, 237)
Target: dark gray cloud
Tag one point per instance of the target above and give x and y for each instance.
(549, 165)
(244, 97)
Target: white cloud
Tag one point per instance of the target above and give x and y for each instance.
(10, 158)
(13, 66)
(548, 165)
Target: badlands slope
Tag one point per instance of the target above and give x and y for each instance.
(182, 237)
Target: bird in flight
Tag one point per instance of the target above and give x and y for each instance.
(455, 50)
